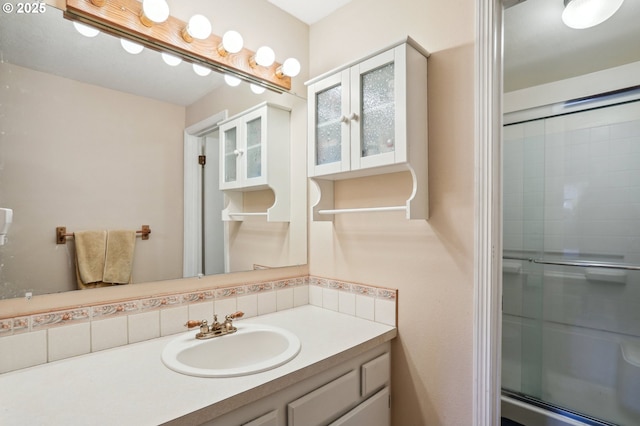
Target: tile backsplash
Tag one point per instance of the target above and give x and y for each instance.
(46, 337)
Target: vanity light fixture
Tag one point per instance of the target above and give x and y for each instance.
(258, 90)
(131, 46)
(201, 71)
(154, 12)
(86, 30)
(580, 14)
(198, 27)
(289, 68)
(231, 43)
(170, 59)
(265, 57)
(231, 80)
(137, 20)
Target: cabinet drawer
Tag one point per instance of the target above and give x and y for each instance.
(374, 411)
(323, 404)
(375, 374)
(269, 419)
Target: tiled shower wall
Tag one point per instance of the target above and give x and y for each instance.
(41, 338)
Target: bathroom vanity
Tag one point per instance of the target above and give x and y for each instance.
(341, 375)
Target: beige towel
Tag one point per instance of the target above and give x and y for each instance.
(90, 254)
(118, 262)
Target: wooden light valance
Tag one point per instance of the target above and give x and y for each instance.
(122, 19)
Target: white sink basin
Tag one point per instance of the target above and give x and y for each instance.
(251, 349)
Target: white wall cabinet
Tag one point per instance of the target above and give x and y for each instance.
(354, 393)
(369, 117)
(254, 155)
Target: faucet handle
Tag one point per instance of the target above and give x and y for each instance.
(193, 323)
(238, 314)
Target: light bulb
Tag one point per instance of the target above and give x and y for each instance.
(86, 30)
(201, 71)
(290, 68)
(198, 27)
(264, 57)
(580, 14)
(231, 43)
(131, 46)
(171, 59)
(154, 11)
(258, 90)
(232, 80)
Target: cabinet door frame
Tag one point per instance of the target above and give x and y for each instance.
(262, 179)
(237, 124)
(339, 79)
(397, 56)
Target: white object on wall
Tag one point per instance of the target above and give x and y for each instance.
(6, 217)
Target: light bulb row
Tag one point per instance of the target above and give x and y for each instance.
(172, 60)
(199, 27)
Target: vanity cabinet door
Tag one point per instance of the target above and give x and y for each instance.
(375, 411)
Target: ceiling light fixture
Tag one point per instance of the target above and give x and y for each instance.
(231, 43)
(154, 12)
(290, 68)
(265, 57)
(198, 27)
(131, 46)
(580, 14)
(86, 30)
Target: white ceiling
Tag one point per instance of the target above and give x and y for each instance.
(309, 11)
(538, 49)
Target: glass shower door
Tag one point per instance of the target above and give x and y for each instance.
(571, 278)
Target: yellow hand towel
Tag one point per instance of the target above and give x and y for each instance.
(90, 253)
(118, 262)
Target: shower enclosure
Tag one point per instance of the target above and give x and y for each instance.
(571, 259)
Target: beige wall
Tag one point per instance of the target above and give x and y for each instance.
(86, 157)
(431, 263)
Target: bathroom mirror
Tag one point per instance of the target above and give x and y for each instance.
(92, 137)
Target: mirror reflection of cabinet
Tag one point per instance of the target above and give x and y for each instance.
(254, 155)
(369, 118)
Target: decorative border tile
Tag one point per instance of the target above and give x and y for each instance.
(44, 321)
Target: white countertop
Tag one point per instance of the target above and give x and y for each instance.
(129, 385)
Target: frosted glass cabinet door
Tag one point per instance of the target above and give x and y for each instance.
(230, 156)
(377, 97)
(254, 160)
(330, 152)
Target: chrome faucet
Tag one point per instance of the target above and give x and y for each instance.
(216, 329)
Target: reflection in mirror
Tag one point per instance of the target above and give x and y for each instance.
(92, 137)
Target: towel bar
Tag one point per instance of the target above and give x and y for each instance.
(61, 233)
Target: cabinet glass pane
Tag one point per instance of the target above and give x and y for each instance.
(377, 111)
(328, 125)
(254, 148)
(230, 164)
